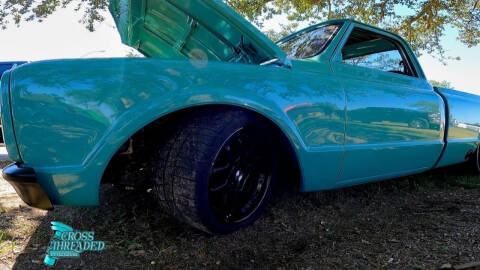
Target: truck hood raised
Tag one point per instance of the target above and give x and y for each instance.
(198, 29)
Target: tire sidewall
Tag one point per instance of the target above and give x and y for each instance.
(203, 176)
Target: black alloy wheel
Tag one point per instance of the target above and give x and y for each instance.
(217, 169)
(240, 177)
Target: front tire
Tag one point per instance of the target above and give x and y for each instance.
(217, 170)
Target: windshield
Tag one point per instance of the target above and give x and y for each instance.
(310, 43)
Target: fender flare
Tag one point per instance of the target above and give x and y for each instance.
(114, 141)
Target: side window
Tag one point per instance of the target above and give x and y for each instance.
(371, 50)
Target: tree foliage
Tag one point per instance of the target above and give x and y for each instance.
(422, 23)
(17, 11)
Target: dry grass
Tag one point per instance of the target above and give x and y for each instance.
(422, 221)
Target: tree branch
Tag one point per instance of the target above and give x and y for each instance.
(329, 9)
(473, 9)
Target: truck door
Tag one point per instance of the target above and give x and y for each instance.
(395, 120)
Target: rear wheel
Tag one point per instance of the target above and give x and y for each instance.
(217, 170)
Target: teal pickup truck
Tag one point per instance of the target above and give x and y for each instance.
(216, 111)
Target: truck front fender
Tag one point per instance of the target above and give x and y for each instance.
(71, 116)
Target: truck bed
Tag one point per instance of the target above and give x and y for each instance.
(463, 129)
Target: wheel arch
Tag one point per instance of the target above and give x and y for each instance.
(290, 143)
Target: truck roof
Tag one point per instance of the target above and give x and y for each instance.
(336, 21)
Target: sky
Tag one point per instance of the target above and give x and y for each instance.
(61, 36)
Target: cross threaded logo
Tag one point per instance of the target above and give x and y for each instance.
(67, 243)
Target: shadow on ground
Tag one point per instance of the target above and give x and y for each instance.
(424, 221)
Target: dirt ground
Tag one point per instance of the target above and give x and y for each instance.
(428, 221)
